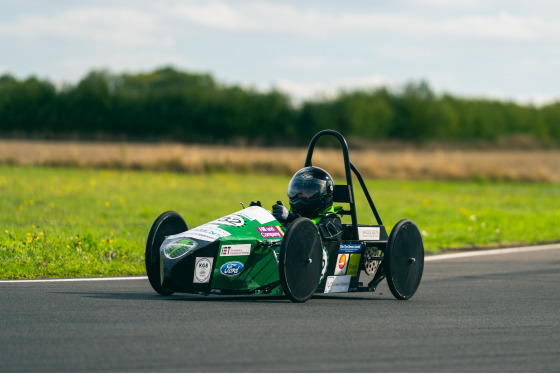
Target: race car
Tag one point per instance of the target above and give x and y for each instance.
(249, 252)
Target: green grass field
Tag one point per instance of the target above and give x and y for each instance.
(62, 222)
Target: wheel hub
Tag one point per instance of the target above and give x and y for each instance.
(371, 265)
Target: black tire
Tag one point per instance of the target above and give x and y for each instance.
(168, 223)
(404, 259)
(300, 262)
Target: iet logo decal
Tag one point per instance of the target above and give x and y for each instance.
(235, 250)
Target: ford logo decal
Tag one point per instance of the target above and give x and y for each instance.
(231, 269)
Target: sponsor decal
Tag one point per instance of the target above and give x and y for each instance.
(179, 248)
(235, 250)
(256, 213)
(341, 264)
(232, 268)
(176, 236)
(325, 263)
(339, 283)
(353, 264)
(350, 248)
(369, 233)
(207, 232)
(202, 269)
(231, 220)
(270, 232)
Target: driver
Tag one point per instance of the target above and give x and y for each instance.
(310, 194)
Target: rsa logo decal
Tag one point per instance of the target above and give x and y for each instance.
(232, 268)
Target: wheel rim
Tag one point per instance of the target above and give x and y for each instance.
(166, 224)
(405, 265)
(301, 260)
(371, 265)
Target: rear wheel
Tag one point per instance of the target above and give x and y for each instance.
(300, 260)
(404, 259)
(168, 223)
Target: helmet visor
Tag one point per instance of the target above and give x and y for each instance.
(307, 187)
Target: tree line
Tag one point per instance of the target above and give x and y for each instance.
(168, 104)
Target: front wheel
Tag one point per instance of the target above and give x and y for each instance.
(404, 259)
(168, 223)
(300, 260)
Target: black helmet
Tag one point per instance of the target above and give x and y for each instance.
(310, 191)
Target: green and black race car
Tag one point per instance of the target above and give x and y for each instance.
(250, 253)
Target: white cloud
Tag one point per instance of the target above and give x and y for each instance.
(313, 63)
(279, 18)
(304, 91)
(539, 99)
(502, 26)
(450, 4)
(214, 15)
(76, 67)
(109, 26)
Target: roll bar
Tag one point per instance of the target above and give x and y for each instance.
(341, 190)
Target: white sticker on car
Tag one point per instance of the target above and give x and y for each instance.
(235, 250)
(256, 212)
(231, 220)
(202, 269)
(337, 283)
(176, 236)
(369, 233)
(206, 232)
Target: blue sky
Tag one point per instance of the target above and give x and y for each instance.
(501, 49)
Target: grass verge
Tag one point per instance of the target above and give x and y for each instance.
(66, 222)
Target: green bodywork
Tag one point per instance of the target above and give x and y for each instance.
(243, 250)
(260, 268)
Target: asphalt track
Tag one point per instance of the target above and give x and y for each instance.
(490, 313)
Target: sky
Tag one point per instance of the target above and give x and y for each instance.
(507, 50)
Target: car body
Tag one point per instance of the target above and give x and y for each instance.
(249, 252)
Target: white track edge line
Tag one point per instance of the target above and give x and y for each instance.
(448, 256)
(492, 252)
(72, 279)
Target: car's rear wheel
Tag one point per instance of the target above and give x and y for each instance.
(404, 259)
(168, 223)
(300, 260)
